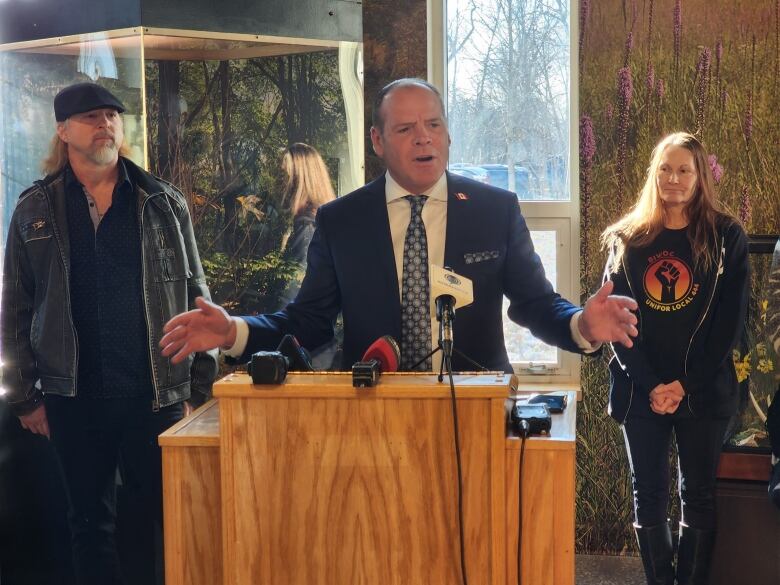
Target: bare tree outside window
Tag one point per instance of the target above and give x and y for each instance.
(508, 74)
(508, 87)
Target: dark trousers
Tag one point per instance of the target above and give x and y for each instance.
(699, 442)
(93, 438)
(773, 423)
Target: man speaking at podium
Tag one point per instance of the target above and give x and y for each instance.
(370, 254)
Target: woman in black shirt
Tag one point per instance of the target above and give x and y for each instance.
(683, 257)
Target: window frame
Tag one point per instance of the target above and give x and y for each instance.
(565, 215)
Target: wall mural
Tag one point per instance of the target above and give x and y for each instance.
(215, 129)
(647, 68)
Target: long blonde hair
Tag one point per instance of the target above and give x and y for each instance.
(307, 182)
(57, 156)
(645, 220)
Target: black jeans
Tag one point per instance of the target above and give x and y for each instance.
(93, 438)
(699, 442)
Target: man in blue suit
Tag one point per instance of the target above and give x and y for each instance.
(362, 263)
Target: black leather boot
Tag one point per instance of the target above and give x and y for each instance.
(774, 483)
(655, 545)
(694, 555)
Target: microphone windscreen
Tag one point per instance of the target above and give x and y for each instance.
(446, 282)
(386, 351)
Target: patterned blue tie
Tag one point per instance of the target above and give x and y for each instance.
(415, 291)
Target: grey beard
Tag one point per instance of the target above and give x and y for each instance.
(104, 154)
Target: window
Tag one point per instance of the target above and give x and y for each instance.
(505, 66)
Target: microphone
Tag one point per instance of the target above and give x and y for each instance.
(271, 367)
(298, 357)
(448, 291)
(386, 351)
(383, 355)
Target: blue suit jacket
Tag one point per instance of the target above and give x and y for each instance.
(351, 269)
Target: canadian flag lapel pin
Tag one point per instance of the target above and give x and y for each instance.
(462, 196)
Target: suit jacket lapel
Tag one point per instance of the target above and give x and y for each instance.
(378, 226)
(458, 223)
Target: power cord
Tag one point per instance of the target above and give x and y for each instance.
(464, 575)
(525, 430)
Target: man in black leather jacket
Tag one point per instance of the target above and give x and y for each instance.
(100, 254)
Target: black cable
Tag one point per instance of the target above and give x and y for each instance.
(464, 576)
(524, 432)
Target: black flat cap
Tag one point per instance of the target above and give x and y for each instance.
(83, 97)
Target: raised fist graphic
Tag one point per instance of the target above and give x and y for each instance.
(668, 276)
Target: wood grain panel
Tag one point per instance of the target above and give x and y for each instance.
(548, 505)
(192, 516)
(745, 466)
(357, 491)
(548, 517)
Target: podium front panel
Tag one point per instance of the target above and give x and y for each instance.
(360, 486)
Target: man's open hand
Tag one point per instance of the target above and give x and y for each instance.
(207, 327)
(609, 318)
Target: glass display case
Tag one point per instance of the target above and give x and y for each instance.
(209, 112)
(755, 359)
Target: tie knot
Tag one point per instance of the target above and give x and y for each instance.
(417, 202)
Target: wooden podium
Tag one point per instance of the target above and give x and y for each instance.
(317, 482)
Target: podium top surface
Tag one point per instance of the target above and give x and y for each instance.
(200, 429)
(392, 385)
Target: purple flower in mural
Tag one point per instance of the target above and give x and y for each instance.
(650, 26)
(609, 112)
(584, 17)
(650, 77)
(677, 18)
(660, 89)
(717, 170)
(702, 88)
(625, 94)
(625, 87)
(587, 152)
(587, 140)
(628, 48)
(745, 210)
(747, 125)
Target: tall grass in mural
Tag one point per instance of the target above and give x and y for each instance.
(647, 68)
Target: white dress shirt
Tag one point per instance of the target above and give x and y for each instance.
(434, 216)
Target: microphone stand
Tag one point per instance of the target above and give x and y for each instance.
(445, 315)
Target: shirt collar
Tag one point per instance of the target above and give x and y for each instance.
(123, 183)
(394, 191)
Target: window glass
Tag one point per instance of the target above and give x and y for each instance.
(508, 94)
(522, 347)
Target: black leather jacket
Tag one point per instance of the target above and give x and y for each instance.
(37, 337)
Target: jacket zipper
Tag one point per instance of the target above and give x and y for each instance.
(706, 310)
(639, 318)
(57, 237)
(155, 384)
